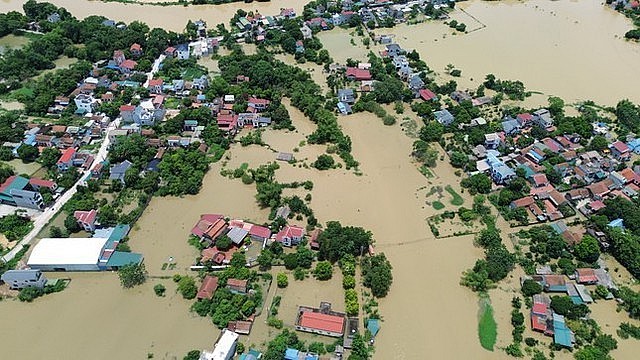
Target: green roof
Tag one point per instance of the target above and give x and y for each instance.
(121, 258)
(18, 183)
(119, 232)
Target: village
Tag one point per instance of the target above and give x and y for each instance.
(148, 120)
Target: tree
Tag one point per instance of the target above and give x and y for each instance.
(132, 274)
(606, 342)
(499, 262)
(337, 241)
(323, 270)
(291, 261)
(590, 352)
(71, 224)
(159, 289)
(29, 293)
(265, 259)
(192, 355)
(587, 250)
(478, 183)
(223, 243)
(238, 260)
(376, 274)
(598, 143)
(187, 287)
(563, 305)
(283, 280)
(324, 162)
(359, 349)
(28, 153)
(55, 232)
(49, 157)
(530, 288)
(432, 131)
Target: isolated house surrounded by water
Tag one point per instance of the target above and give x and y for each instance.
(290, 235)
(322, 321)
(20, 279)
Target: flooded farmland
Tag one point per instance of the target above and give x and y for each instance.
(172, 17)
(571, 49)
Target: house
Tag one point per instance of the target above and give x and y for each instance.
(586, 276)
(290, 235)
(524, 119)
(242, 327)
(492, 141)
(444, 117)
(53, 18)
(208, 287)
(37, 184)
(118, 171)
(136, 50)
(86, 219)
(313, 239)
(427, 95)
(543, 118)
(190, 125)
(205, 223)
(282, 156)
(288, 13)
(258, 104)
(237, 286)
(86, 103)
(299, 47)
(225, 347)
(155, 86)
(16, 191)
(171, 52)
(511, 127)
(394, 50)
(353, 73)
(227, 122)
(322, 321)
(128, 66)
(539, 180)
(66, 159)
(201, 83)
(344, 108)
(146, 114)
(415, 84)
(346, 96)
(20, 279)
(182, 52)
(554, 283)
(237, 235)
(307, 33)
(460, 96)
(620, 151)
(500, 172)
(259, 233)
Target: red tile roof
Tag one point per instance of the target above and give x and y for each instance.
(237, 284)
(127, 108)
(205, 222)
(128, 64)
(7, 182)
(290, 231)
(538, 323)
(85, 217)
(260, 231)
(523, 202)
(525, 117)
(323, 322)
(42, 183)
(254, 100)
(620, 147)
(628, 174)
(358, 74)
(208, 287)
(216, 229)
(427, 94)
(67, 156)
(597, 205)
(540, 179)
(586, 276)
(155, 82)
(135, 47)
(539, 308)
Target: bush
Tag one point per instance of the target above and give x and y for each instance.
(283, 280)
(132, 274)
(323, 270)
(187, 287)
(530, 288)
(348, 282)
(29, 293)
(159, 289)
(324, 162)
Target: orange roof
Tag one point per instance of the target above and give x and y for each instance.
(324, 322)
(208, 287)
(237, 283)
(628, 174)
(216, 229)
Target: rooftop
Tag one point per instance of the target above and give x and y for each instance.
(324, 322)
(72, 251)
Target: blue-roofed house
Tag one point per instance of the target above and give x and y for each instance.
(373, 325)
(291, 354)
(617, 223)
(109, 23)
(346, 96)
(190, 125)
(444, 117)
(511, 127)
(182, 52)
(311, 356)
(500, 172)
(561, 334)
(344, 108)
(253, 354)
(118, 171)
(634, 145)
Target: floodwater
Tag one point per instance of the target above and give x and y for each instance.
(12, 42)
(571, 49)
(95, 318)
(173, 17)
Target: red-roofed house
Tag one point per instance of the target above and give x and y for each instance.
(259, 233)
(237, 285)
(524, 119)
(66, 159)
(427, 95)
(290, 235)
(358, 74)
(586, 276)
(596, 205)
(539, 309)
(86, 219)
(313, 239)
(227, 122)
(598, 190)
(538, 323)
(136, 50)
(524, 202)
(170, 51)
(628, 174)
(127, 66)
(216, 229)
(205, 222)
(620, 151)
(155, 86)
(36, 184)
(258, 104)
(539, 180)
(314, 321)
(208, 287)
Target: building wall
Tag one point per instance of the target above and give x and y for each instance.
(28, 199)
(316, 331)
(19, 279)
(66, 267)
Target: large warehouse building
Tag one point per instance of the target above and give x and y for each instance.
(67, 254)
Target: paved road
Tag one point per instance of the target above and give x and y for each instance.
(43, 219)
(154, 69)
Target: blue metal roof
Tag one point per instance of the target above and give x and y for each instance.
(291, 354)
(373, 325)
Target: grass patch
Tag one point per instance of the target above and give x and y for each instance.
(487, 327)
(437, 205)
(457, 199)
(424, 170)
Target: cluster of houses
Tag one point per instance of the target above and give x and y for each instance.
(231, 122)
(544, 319)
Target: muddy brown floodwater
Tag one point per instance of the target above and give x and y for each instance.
(571, 49)
(167, 17)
